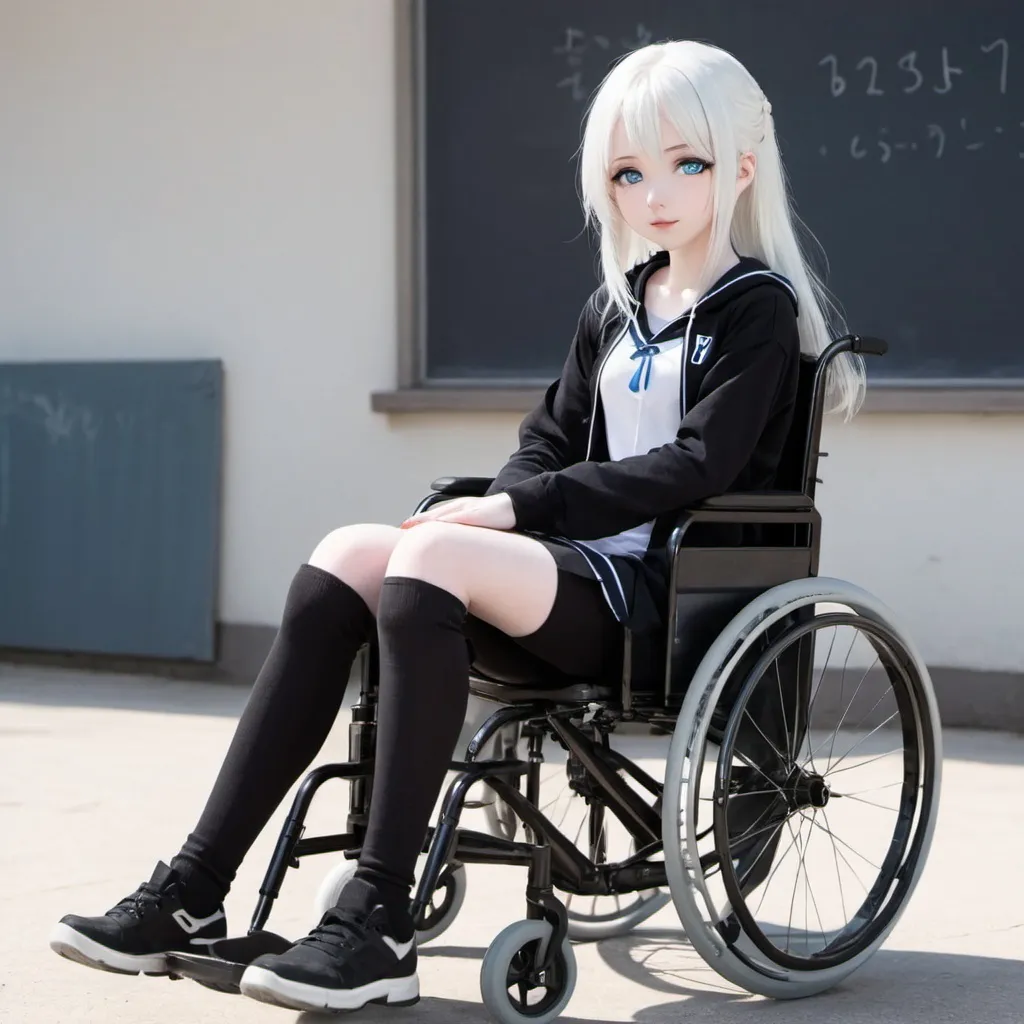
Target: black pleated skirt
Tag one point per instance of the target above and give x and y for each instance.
(636, 588)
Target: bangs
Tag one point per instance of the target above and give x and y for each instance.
(663, 92)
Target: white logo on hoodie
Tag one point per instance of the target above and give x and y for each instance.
(701, 349)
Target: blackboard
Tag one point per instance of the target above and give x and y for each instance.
(902, 128)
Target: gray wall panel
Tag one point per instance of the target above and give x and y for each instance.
(110, 507)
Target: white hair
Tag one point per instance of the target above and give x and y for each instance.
(715, 104)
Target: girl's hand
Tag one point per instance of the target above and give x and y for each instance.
(495, 512)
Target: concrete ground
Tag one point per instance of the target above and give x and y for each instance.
(102, 775)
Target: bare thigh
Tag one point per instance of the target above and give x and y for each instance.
(358, 555)
(506, 579)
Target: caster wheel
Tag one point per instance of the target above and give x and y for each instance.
(446, 903)
(444, 907)
(330, 888)
(512, 990)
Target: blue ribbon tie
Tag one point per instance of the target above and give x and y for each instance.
(646, 356)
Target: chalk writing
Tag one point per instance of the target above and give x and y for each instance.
(579, 48)
(935, 140)
(877, 82)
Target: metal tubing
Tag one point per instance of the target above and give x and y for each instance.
(444, 835)
(642, 821)
(295, 823)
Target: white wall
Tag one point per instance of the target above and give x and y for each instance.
(215, 178)
(925, 511)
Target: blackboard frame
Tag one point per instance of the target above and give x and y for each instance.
(417, 393)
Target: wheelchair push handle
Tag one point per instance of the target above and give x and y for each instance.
(855, 343)
(868, 346)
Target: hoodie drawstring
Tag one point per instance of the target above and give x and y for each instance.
(686, 359)
(640, 382)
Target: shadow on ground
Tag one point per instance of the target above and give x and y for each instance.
(913, 988)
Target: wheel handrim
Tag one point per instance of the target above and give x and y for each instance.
(688, 870)
(794, 794)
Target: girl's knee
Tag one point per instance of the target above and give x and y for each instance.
(428, 546)
(437, 553)
(358, 555)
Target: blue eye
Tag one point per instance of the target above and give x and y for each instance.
(693, 166)
(628, 176)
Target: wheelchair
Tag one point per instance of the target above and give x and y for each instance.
(780, 764)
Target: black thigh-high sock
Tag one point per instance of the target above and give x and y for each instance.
(290, 711)
(424, 689)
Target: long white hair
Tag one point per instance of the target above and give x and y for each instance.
(715, 104)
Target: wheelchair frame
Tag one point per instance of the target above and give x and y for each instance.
(709, 587)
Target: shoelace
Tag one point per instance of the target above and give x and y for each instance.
(138, 903)
(338, 929)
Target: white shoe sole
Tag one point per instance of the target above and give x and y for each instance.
(267, 987)
(82, 950)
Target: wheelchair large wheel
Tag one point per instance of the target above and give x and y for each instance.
(801, 788)
(594, 829)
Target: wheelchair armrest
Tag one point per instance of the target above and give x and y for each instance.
(756, 501)
(756, 507)
(462, 486)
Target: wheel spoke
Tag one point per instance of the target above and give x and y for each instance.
(796, 879)
(871, 789)
(785, 723)
(764, 849)
(749, 831)
(842, 686)
(870, 803)
(881, 725)
(778, 753)
(778, 864)
(846, 711)
(821, 676)
(842, 857)
(846, 844)
(750, 764)
(810, 890)
(861, 764)
(761, 831)
(524, 994)
(835, 857)
(579, 831)
(746, 792)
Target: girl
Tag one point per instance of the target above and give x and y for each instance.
(679, 384)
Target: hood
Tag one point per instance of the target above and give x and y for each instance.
(748, 273)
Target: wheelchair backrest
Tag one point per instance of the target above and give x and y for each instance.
(798, 464)
(715, 580)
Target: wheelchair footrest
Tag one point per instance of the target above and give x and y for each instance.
(223, 968)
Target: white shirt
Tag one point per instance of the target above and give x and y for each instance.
(638, 420)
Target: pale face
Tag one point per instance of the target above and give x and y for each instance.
(667, 200)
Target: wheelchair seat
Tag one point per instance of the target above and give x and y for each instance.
(512, 693)
(501, 670)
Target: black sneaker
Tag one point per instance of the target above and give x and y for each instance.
(133, 937)
(350, 959)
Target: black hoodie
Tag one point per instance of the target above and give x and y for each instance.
(738, 389)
